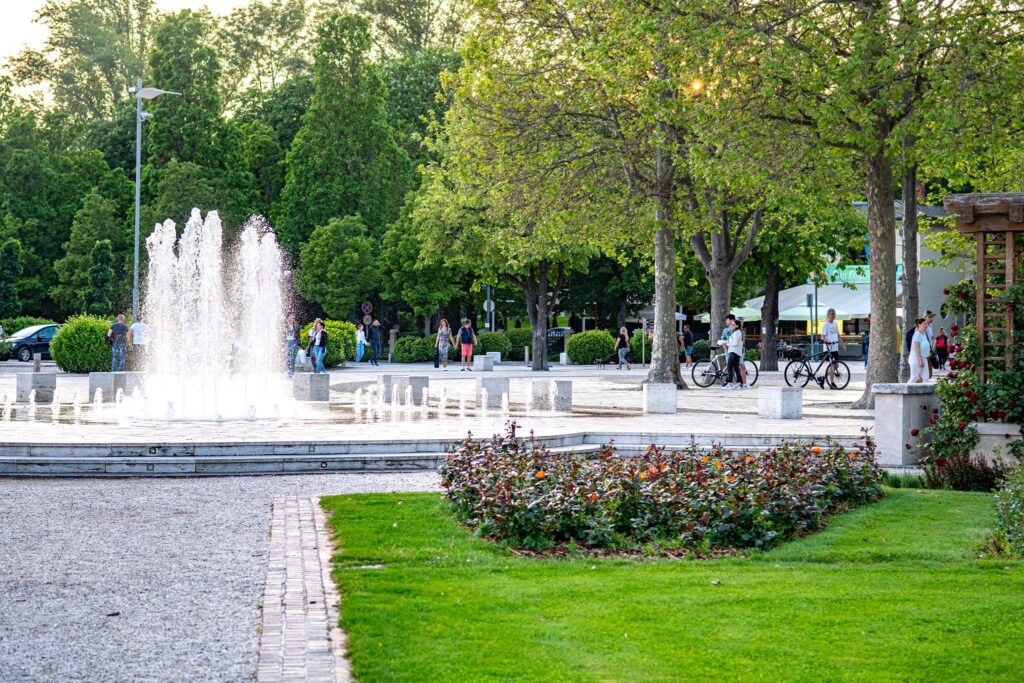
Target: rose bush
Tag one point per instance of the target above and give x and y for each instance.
(518, 492)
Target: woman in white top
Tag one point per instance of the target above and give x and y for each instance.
(734, 357)
(920, 349)
(360, 341)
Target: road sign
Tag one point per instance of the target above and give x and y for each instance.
(366, 307)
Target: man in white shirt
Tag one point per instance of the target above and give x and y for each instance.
(831, 341)
(138, 337)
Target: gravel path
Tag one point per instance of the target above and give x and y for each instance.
(143, 580)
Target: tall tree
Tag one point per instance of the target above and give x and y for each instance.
(10, 271)
(344, 160)
(96, 221)
(335, 266)
(97, 299)
(415, 100)
(94, 51)
(866, 76)
(408, 26)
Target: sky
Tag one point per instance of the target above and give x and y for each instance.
(17, 29)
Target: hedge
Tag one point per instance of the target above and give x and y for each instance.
(12, 325)
(341, 341)
(494, 341)
(639, 346)
(414, 349)
(752, 354)
(519, 338)
(701, 349)
(80, 345)
(587, 347)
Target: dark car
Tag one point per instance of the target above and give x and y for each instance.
(31, 340)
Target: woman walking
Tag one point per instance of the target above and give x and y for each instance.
(942, 348)
(734, 357)
(622, 346)
(920, 349)
(443, 343)
(360, 341)
(319, 345)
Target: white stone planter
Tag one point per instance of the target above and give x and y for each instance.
(43, 383)
(660, 398)
(543, 393)
(310, 386)
(780, 403)
(899, 409)
(993, 438)
(483, 363)
(496, 387)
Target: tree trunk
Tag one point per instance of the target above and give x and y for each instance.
(664, 355)
(721, 298)
(882, 356)
(426, 325)
(770, 319)
(536, 291)
(911, 295)
(730, 248)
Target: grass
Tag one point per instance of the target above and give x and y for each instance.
(889, 592)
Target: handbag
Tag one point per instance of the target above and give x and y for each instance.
(437, 358)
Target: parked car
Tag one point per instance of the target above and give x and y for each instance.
(31, 340)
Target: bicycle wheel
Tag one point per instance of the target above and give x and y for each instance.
(704, 373)
(751, 367)
(797, 373)
(841, 376)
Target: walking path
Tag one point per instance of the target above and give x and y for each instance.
(146, 580)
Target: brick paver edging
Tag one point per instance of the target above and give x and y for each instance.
(300, 638)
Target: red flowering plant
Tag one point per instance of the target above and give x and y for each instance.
(516, 491)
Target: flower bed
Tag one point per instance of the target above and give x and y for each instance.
(517, 492)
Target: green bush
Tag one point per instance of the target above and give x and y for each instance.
(80, 345)
(1010, 503)
(639, 346)
(587, 347)
(414, 349)
(519, 338)
(701, 349)
(341, 341)
(12, 325)
(5, 348)
(494, 341)
(752, 354)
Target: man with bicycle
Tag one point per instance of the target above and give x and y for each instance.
(830, 342)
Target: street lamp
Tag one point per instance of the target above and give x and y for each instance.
(140, 116)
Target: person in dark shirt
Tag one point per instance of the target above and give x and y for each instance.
(117, 337)
(376, 340)
(467, 337)
(688, 344)
(622, 347)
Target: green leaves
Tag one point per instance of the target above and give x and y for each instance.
(335, 266)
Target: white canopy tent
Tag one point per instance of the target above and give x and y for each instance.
(850, 301)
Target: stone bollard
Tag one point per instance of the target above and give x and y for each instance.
(526, 354)
(312, 386)
(660, 398)
(384, 383)
(495, 356)
(392, 340)
(563, 359)
(483, 363)
(37, 362)
(780, 403)
(900, 408)
(43, 383)
(541, 395)
(495, 388)
(110, 382)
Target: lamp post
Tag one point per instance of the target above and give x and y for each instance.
(140, 116)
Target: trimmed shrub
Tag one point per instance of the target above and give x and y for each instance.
(517, 492)
(1010, 504)
(12, 325)
(752, 354)
(413, 349)
(80, 345)
(494, 341)
(701, 349)
(341, 341)
(518, 338)
(586, 347)
(637, 352)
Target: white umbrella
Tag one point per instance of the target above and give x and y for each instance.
(748, 314)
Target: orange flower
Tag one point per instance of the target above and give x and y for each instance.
(718, 464)
(541, 474)
(593, 497)
(704, 459)
(750, 458)
(852, 454)
(816, 449)
(643, 475)
(662, 467)
(730, 479)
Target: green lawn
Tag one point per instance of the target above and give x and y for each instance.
(892, 591)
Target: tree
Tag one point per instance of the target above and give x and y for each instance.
(10, 271)
(869, 77)
(97, 298)
(413, 84)
(264, 159)
(336, 266)
(97, 220)
(94, 51)
(412, 25)
(182, 186)
(344, 160)
(281, 108)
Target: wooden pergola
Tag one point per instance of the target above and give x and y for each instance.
(997, 222)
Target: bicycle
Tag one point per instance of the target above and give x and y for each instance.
(707, 371)
(798, 372)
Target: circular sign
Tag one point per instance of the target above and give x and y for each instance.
(366, 307)
(489, 306)
(367, 319)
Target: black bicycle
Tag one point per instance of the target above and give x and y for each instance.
(706, 372)
(798, 372)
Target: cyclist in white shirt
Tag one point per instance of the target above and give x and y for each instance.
(831, 341)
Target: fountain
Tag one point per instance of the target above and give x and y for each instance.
(216, 344)
(32, 404)
(7, 408)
